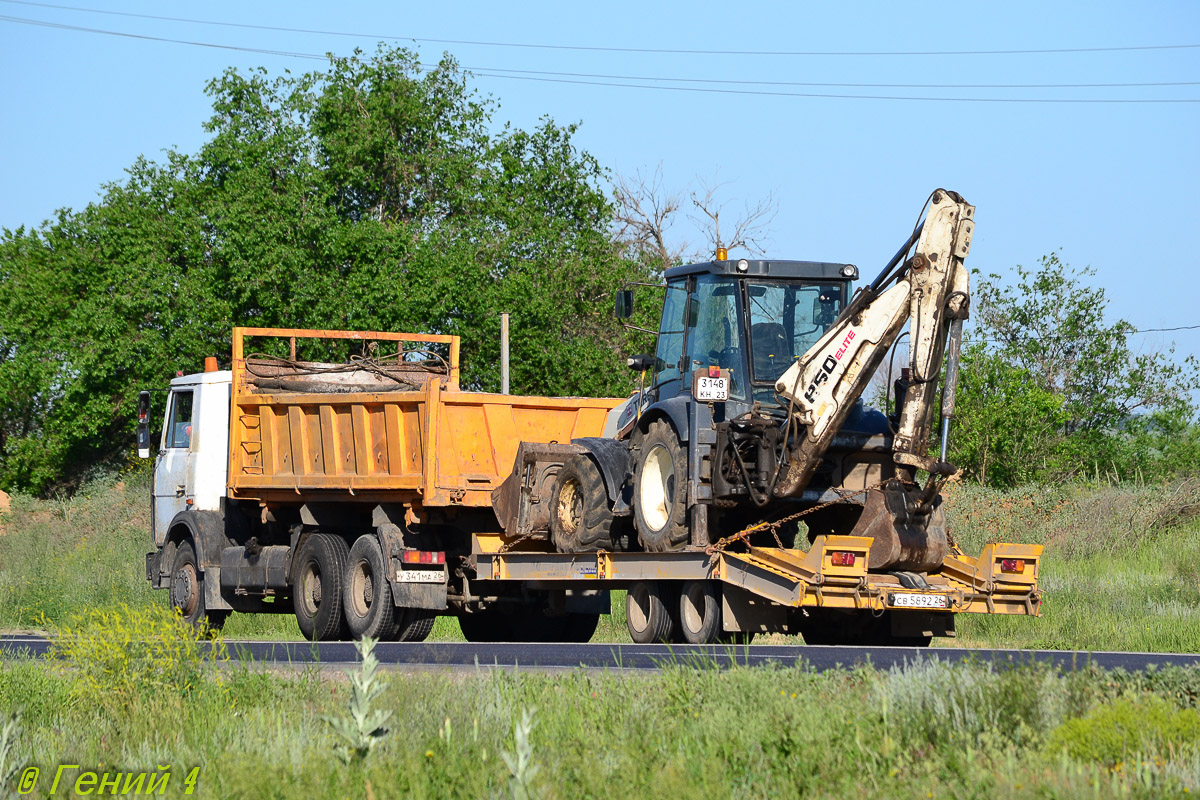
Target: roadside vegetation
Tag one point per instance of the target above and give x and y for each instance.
(931, 730)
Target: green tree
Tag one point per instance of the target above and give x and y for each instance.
(373, 195)
(1051, 389)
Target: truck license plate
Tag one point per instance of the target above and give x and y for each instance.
(712, 388)
(420, 576)
(913, 600)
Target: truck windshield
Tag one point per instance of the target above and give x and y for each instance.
(786, 319)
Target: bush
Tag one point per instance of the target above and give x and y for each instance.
(1117, 732)
(121, 654)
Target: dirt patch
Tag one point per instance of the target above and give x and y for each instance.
(5, 503)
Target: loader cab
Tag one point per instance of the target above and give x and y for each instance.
(751, 319)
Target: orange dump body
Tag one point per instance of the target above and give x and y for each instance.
(428, 444)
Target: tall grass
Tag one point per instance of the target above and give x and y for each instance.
(966, 730)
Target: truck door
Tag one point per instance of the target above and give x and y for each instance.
(172, 468)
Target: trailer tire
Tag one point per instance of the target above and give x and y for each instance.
(647, 614)
(317, 587)
(187, 591)
(699, 612)
(660, 490)
(366, 595)
(414, 624)
(581, 520)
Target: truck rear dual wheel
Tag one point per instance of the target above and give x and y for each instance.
(317, 588)
(581, 520)
(660, 490)
(366, 595)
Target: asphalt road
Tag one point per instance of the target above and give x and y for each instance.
(463, 655)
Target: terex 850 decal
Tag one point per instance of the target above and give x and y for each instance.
(827, 367)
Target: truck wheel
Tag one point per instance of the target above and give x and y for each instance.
(187, 590)
(660, 490)
(699, 612)
(415, 624)
(485, 626)
(580, 518)
(317, 587)
(646, 614)
(580, 628)
(366, 595)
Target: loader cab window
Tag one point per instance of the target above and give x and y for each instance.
(717, 339)
(671, 333)
(786, 320)
(179, 428)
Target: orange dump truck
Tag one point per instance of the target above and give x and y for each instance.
(353, 483)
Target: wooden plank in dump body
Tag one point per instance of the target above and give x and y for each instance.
(433, 446)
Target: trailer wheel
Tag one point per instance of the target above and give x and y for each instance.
(581, 520)
(660, 490)
(317, 587)
(366, 596)
(699, 612)
(580, 628)
(187, 591)
(415, 624)
(485, 626)
(647, 614)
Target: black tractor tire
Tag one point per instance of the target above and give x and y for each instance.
(414, 624)
(317, 578)
(366, 595)
(187, 591)
(699, 612)
(647, 614)
(660, 490)
(581, 519)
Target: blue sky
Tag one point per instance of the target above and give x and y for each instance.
(1111, 186)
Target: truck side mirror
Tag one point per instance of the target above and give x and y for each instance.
(143, 425)
(624, 304)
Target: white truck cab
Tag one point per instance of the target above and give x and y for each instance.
(191, 470)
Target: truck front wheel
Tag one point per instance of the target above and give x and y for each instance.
(660, 490)
(580, 518)
(187, 590)
(366, 596)
(317, 587)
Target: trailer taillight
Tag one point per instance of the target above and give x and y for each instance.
(423, 557)
(842, 558)
(1012, 565)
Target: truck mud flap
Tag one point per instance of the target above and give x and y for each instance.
(420, 595)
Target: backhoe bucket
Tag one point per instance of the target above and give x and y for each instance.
(906, 536)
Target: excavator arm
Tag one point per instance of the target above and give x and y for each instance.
(930, 292)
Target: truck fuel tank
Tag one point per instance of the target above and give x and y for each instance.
(252, 572)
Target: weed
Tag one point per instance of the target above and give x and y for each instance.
(521, 766)
(10, 733)
(363, 729)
